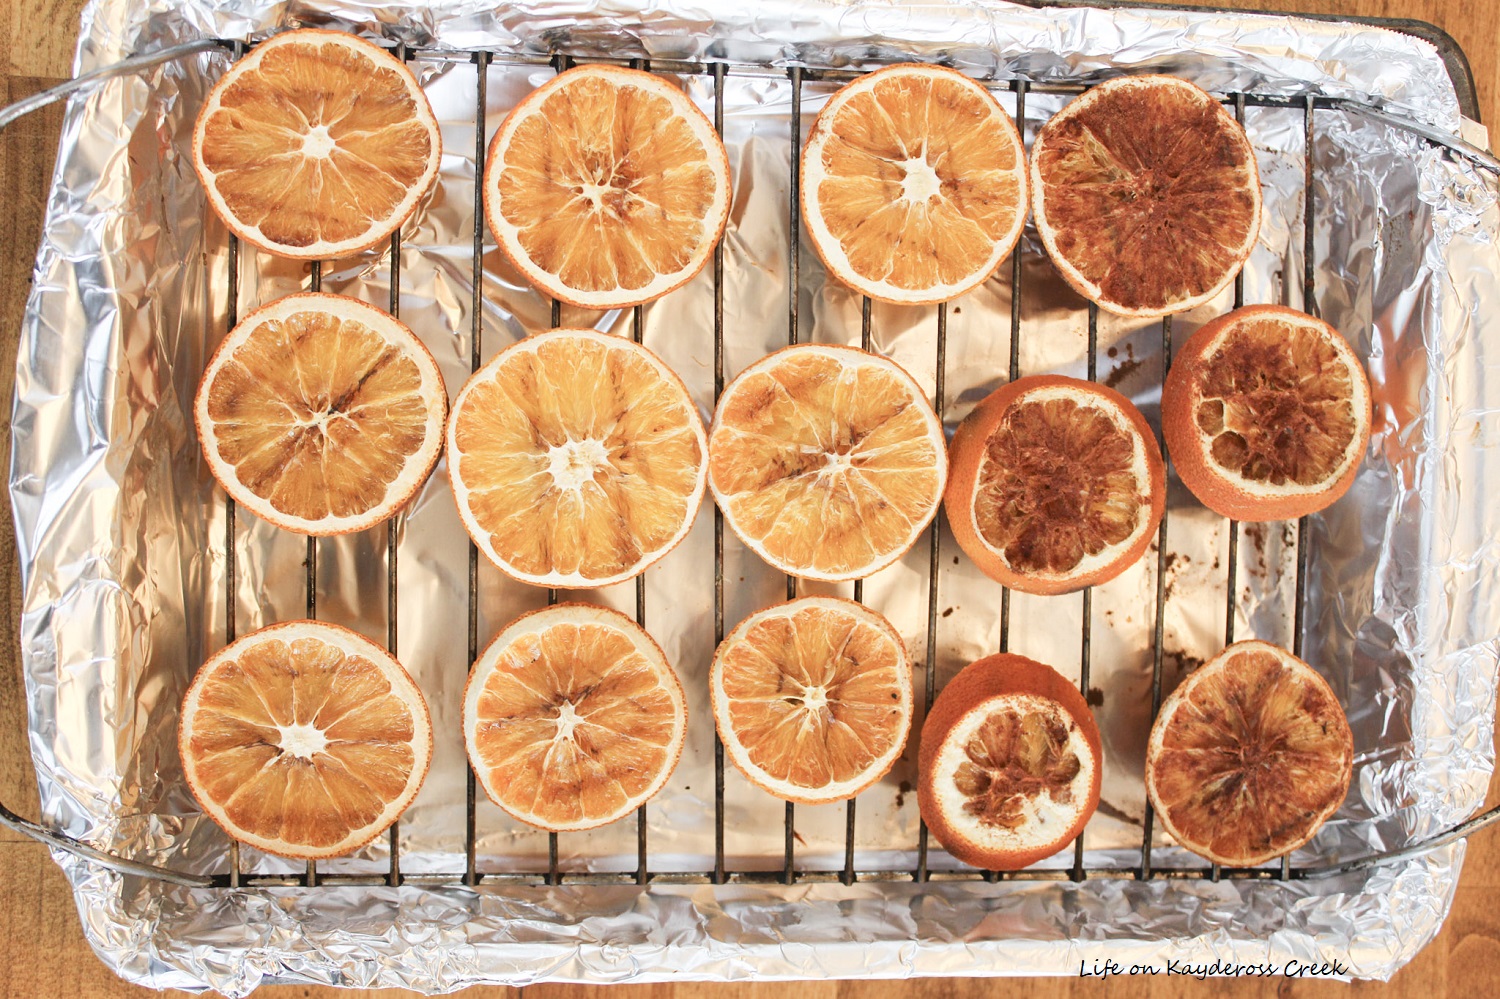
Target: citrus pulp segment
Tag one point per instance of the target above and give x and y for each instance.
(304, 739)
(316, 144)
(321, 414)
(577, 459)
(607, 187)
(812, 698)
(913, 184)
(1010, 764)
(1266, 414)
(1146, 195)
(573, 718)
(1056, 484)
(827, 461)
(1249, 755)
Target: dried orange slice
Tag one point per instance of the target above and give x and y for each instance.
(304, 739)
(827, 461)
(812, 698)
(914, 184)
(321, 414)
(1249, 755)
(572, 717)
(1146, 195)
(577, 459)
(1266, 413)
(1010, 764)
(316, 144)
(1057, 484)
(607, 187)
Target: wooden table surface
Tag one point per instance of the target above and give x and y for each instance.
(47, 954)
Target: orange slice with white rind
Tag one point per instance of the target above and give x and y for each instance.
(1266, 413)
(573, 718)
(1056, 484)
(1010, 765)
(304, 739)
(827, 461)
(316, 144)
(812, 698)
(1249, 755)
(577, 459)
(1146, 195)
(321, 414)
(913, 184)
(607, 187)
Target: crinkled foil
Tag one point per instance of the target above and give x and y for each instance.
(121, 529)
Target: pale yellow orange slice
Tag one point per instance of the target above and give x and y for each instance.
(607, 187)
(913, 184)
(321, 414)
(577, 459)
(316, 144)
(827, 461)
(573, 718)
(304, 739)
(812, 698)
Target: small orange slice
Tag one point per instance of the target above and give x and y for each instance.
(577, 459)
(321, 414)
(1146, 195)
(813, 698)
(572, 717)
(1057, 484)
(607, 187)
(1249, 755)
(914, 184)
(316, 144)
(1010, 765)
(827, 461)
(1266, 413)
(304, 739)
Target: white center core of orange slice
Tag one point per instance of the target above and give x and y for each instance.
(921, 181)
(318, 142)
(567, 721)
(304, 741)
(574, 463)
(814, 699)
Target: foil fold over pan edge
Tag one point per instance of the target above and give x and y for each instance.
(98, 426)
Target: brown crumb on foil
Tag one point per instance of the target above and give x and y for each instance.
(902, 790)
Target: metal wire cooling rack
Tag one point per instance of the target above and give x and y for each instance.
(1306, 107)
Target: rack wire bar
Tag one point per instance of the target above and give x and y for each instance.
(393, 535)
(1158, 641)
(470, 876)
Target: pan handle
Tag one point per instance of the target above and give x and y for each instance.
(61, 841)
(40, 100)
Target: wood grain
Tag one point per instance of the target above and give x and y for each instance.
(47, 954)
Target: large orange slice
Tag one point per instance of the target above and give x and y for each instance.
(1146, 195)
(827, 461)
(607, 187)
(1010, 765)
(913, 184)
(1057, 484)
(577, 459)
(1266, 413)
(304, 739)
(572, 717)
(812, 698)
(1249, 755)
(321, 414)
(316, 144)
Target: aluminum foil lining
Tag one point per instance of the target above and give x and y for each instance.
(121, 529)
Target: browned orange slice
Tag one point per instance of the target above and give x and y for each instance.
(1266, 413)
(607, 187)
(304, 739)
(1248, 756)
(812, 698)
(572, 717)
(316, 144)
(1146, 195)
(321, 414)
(913, 184)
